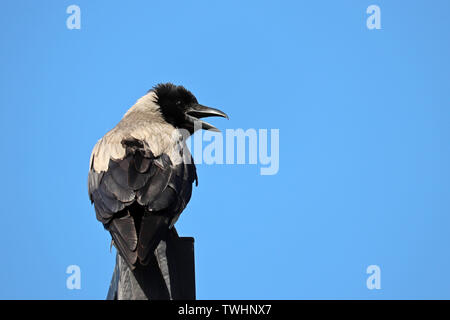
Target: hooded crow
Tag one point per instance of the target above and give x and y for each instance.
(141, 172)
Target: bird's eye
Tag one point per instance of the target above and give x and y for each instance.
(178, 103)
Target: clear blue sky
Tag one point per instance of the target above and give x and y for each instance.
(364, 142)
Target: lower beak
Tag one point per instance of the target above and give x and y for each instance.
(197, 111)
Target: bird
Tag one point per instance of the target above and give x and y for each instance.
(141, 173)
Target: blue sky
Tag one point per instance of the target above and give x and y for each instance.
(364, 175)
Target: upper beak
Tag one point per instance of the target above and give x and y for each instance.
(197, 111)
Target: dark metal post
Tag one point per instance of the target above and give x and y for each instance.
(170, 275)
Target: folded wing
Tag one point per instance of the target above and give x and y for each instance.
(139, 198)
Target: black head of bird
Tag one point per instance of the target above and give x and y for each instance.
(180, 108)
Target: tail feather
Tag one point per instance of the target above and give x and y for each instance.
(153, 229)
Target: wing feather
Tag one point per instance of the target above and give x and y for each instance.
(139, 197)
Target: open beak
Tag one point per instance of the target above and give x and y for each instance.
(197, 111)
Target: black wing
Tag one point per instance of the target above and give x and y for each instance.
(138, 198)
